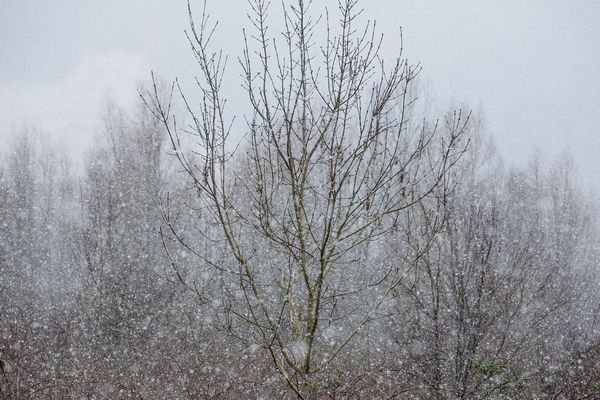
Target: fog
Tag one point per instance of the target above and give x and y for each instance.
(533, 68)
(302, 215)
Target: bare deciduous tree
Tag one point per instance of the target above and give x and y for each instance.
(332, 159)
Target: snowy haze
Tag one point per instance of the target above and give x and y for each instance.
(360, 243)
(532, 67)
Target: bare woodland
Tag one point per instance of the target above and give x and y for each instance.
(339, 240)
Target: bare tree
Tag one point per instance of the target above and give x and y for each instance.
(332, 159)
(490, 302)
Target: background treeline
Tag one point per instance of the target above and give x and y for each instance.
(502, 302)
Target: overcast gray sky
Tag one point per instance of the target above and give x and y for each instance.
(533, 67)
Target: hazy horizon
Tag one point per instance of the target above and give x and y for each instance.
(532, 69)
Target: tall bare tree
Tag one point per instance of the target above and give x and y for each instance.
(332, 159)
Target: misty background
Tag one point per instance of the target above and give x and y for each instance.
(532, 68)
(358, 230)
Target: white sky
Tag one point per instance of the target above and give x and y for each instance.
(533, 67)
